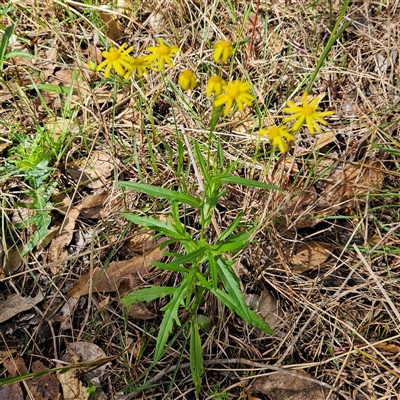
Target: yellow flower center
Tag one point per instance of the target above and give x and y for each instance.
(308, 110)
(273, 132)
(233, 93)
(113, 56)
(163, 50)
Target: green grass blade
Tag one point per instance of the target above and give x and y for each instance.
(167, 194)
(4, 43)
(331, 41)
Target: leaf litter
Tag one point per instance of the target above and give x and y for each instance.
(337, 185)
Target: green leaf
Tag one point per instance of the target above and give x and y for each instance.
(163, 193)
(153, 223)
(202, 162)
(4, 43)
(196, 356)
(18, 53)
(234, 242)
(229, 230)
(50, 88)
(213, 268)
(148, 294)
(232, 287)
(246, 182)
(171, 315)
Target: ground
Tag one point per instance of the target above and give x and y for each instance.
(95, 164)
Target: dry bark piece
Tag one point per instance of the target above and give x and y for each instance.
(281, 386)
(129, 272)
(15, 304)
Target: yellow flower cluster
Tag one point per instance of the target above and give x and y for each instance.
(308, 113)
(125, 65)
(226, 94)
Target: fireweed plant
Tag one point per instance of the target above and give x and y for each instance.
(204, 265)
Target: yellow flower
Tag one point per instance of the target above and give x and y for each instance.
(117, 59)
(276, 134)
(92, 65)
(235, 92)
(215, 85)
(308, 113)
(163, 54)
(139, 66)
(223, 50)
(187, 80)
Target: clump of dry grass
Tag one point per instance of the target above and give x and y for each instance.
(336, 310)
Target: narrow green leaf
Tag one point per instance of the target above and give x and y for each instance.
(235, 242)
(232, 287)
(153, 223)
(148, 294)
(163, 193)
(196, 356)
(202, 162)
(50, 88)
(169, 267)
(246, 182)
(213, 268)
(171, 316)
(4, 42)
(229, 230)
(18, 53)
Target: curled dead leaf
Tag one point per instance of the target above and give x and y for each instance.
(128, 273)
(94, 173)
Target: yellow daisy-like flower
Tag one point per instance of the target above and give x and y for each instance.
(117, 59)
(163, 54)
(139, 66)
(235, 92)
(187, 80)
(215, 85)
(223, 50)
(308, 113)
(276, 135)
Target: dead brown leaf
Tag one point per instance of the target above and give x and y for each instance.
(15, 304)
(129, 272)
(87, 351)
(58, 250)
(114, 28)
(306, 256)
(92, 205)
(43, 387)
(281, 386)
(141, 311)
(269, 309)
(93, 174)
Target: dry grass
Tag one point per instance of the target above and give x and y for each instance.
(338, 319)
